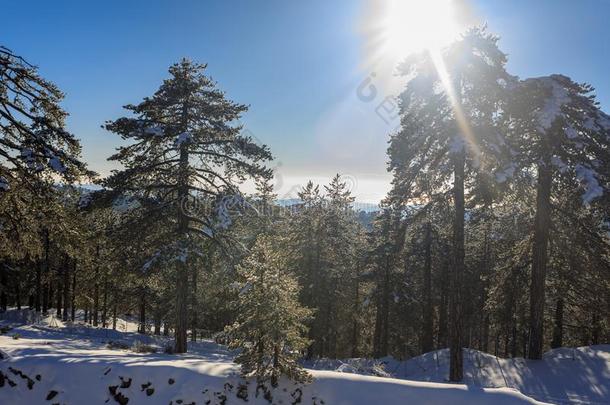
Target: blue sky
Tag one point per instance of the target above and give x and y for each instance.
(297, 64)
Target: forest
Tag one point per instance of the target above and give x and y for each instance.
(495, 235)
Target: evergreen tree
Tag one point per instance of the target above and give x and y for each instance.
(448, 112)
(326, 244)
(184, 148)
(557, 132)
(34, 141)
(270, 324)
(36, 152)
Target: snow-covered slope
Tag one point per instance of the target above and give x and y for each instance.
(73, 365)
(580, 375)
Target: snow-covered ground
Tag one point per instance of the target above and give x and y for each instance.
(564, 376)
(72, 364)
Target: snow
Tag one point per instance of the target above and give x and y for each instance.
(604, 121)
(85, 199)
(56, 164)
(507, 173)
(207, 231)
(457, 144)
(154, 130)
(224, 208)
(560, 164)
(150, 262)
(183, 255)
(589, 181)
(174, 252)
(123, 203)
(182, 138)
(564, 376)
(27, 155)
(571, 133)
(75, 363)
(589, 124)
(552, 107)
(4, 185)
(246, 287)
(336, 388)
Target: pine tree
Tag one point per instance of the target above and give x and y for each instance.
(383, 268)
(448, 112)
(326, 252)
(270, 327)
(36, 153)
(185, 149)
(34, 141)
(306, 241)
(558, 132)
(344, 238)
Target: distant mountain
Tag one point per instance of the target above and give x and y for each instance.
(357, 206)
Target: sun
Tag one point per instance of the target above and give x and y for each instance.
(413, 25)
(396, 28)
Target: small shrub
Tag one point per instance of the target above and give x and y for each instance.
(116, 345)
(16, 336)
(168, 348)
(140, 347)
(222, 338)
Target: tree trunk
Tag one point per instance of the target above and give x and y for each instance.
(96, 291)
(377, 329)
(66, 283)
(385, 311)
(194, 306)
(59, 293)
(3, 288)
(105, 302)
(50, 293)
(443, 323)
(31, 287)
(73, 306)
(355, 323)
(513, 339)
(181, 309)
(276, 365)
(142, 326)
(542, 224)
(558, 328)
(456, 368)
(596, 329)
(17, 280)
(114, 316)
(46, 288)
(427, 341)
(485, 266)
(183, 224)
(38, 292)
(380, 341)
(157, 322)
(485, 337)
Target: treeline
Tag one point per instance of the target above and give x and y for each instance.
(494, 235)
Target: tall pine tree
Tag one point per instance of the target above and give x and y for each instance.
(186, 152)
